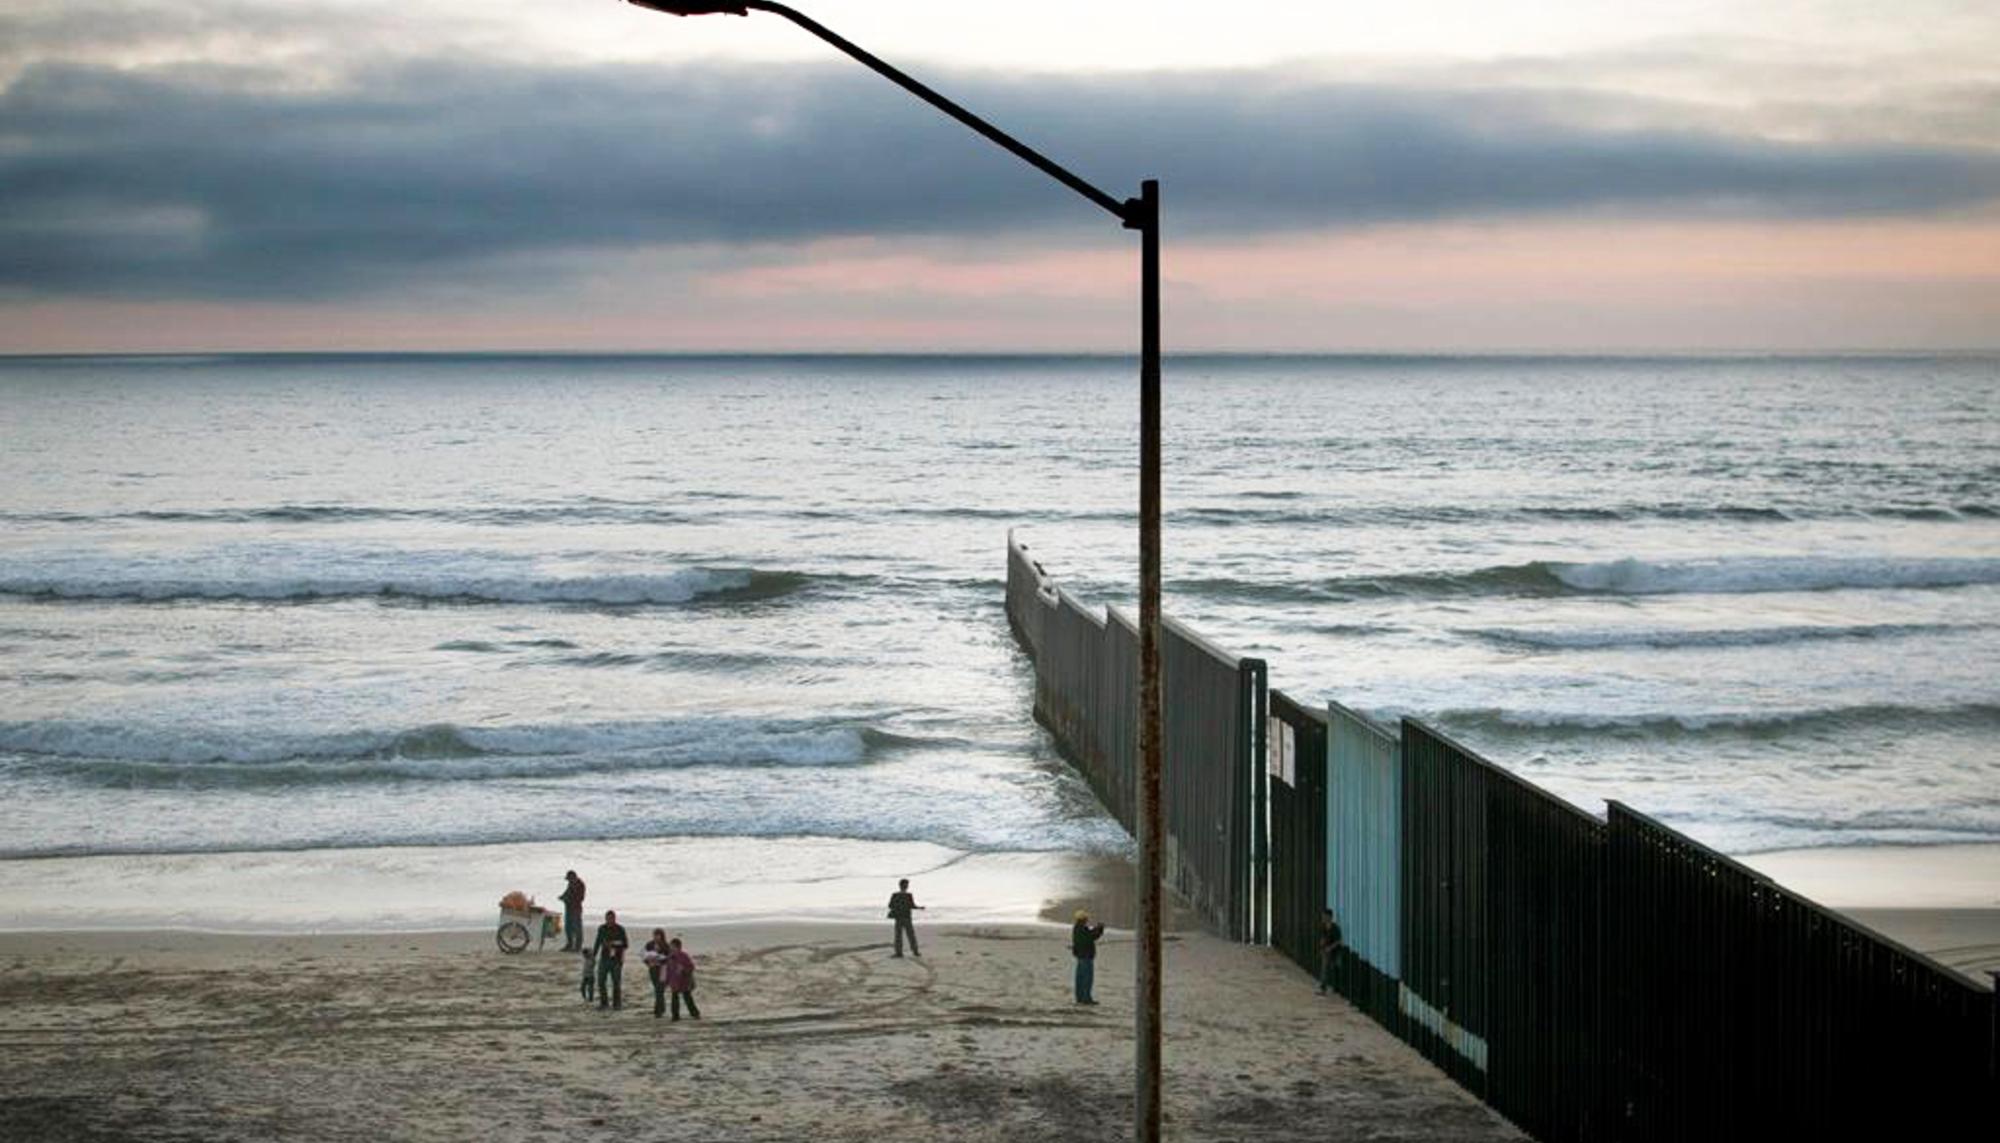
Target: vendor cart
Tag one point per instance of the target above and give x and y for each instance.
(525, 924)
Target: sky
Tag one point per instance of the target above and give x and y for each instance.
(584, 175)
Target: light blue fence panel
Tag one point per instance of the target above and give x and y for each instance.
(1364, 816)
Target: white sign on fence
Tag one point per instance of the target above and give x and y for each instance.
(1281, 751)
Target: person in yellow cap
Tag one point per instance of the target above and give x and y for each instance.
(1083, 945)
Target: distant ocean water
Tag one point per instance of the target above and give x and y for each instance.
(253, 603)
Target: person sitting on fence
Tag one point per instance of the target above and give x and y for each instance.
(1329, 950)
(1083, 945)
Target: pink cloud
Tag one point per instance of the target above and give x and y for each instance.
(1582, 285)
(870, 267)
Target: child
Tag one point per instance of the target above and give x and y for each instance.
(679, 971)
(589, 974)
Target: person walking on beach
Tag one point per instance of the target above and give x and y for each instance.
(572, 899)
(610, 951)
(655, 955)
(1083, 946)
(901, 902)
(589, 972)
(1329, 950)
(680, 979)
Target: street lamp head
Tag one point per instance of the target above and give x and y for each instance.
(674, 9)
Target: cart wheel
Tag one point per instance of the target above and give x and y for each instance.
(512, 937)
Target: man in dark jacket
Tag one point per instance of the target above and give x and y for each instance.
(1083, 945)
(901, 903)
(572, 899)
(610, 951)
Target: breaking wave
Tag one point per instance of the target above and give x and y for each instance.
(1545, 724)
(1260, 513)
(683, 586)
(1745, 575)
(1611, 638)
(135, 755)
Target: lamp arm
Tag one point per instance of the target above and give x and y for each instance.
(1127, 212)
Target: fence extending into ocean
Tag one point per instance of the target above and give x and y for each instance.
(1087, 694)
(1590, 978)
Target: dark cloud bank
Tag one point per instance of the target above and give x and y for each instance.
(191, 185)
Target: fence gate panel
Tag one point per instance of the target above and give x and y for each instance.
(1446, 953)
(1296, 748)
(1364, 859)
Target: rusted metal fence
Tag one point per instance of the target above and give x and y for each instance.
(1086, 693)
(1213, 757)
(1592, 979)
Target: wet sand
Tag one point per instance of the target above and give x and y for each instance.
(668, 880)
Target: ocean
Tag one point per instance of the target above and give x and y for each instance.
(315, 605)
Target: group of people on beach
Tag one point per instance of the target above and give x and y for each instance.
(668, 965)
(671, 969)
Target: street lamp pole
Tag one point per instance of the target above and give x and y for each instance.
(1143, 215)
(1152, 821)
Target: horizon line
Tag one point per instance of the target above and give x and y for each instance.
(1880, 353)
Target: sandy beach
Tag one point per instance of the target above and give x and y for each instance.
(811, 1031)
(320, 1030)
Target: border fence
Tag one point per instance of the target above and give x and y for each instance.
(1590, 978)
(1087, 694)
(1872, 1040)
